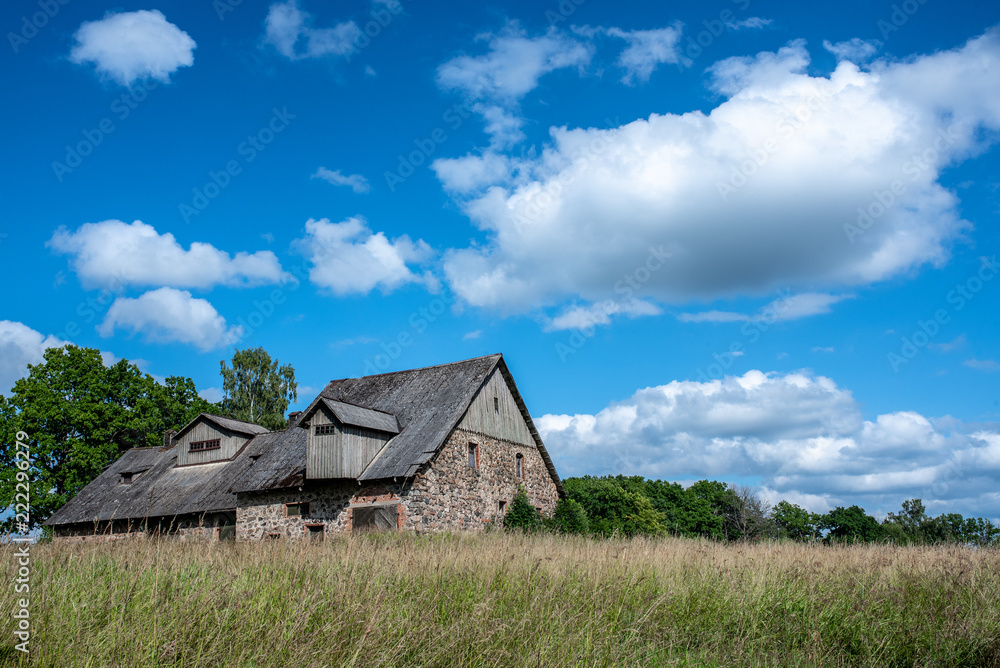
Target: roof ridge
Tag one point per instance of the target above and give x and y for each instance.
(422, 368)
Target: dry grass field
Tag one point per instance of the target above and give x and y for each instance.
(506, 600)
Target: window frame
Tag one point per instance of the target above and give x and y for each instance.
(202, 447)
(302, 506)
(519, 465)
(328, 429)
(473, 452)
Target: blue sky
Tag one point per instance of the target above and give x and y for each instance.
(743, 240)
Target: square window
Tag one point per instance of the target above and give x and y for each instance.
(315, 531)
(297, 509)
(126, 478)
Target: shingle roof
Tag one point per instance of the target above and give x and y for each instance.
(362, 417)
(238, 426)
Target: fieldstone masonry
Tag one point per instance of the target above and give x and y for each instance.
(446, 495)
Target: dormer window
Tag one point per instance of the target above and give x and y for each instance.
(211, 444)
(128, 477)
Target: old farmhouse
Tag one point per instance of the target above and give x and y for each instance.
(439, 448)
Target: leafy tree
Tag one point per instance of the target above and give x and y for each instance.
(614, 509)
(795, 522)
(749, 516)
(256, 389)
(851, 524)
(980, 531)
(80, 416)
(909, 523)
(521, 514)
(569, 517)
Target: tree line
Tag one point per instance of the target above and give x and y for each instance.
(634, 506)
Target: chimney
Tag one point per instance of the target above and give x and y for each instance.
(293, 416)
(168, 439)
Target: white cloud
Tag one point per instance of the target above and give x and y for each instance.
(822, 349)
(646, 50)
(289, 30)
(600, 313)
(751, 23)
(130, 46)
(472, 172)
(20, 346)
(786, 307)
(982, 365)
(948, 346)
(114, 254)
(169, 315)
(472, 335)
(856, 50)
(496, 81)
(356, 182)
(347, 258)
(587, 208)
(801, 435)
(212, 394)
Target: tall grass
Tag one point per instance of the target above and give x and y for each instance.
(506, 599)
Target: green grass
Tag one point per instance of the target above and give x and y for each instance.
(501, 599)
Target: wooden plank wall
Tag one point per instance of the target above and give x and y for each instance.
(506, 423)
(343, 454)
(205, 431)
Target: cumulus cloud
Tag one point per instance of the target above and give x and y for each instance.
(20, 346)
(168, 315)
(800, 434)
(347, 258)
(471, 172)
(582, 213)
(496, 81)
(646, 50)
(130, 46)
(113, 254)
(355, 182)
(289, 30)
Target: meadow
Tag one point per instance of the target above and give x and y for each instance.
(506, 599)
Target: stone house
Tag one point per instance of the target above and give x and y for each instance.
(439, 448)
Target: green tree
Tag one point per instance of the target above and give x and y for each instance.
(795, 522)
(851, 524)
(521, 514)
(569, 517)
(613, 509)
(909, 524)
(80, 416)
(256, 389)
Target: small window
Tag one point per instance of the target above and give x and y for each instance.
(496, 404)
(297, 509)
(519, 465)
(473, 456)
(314, 532)
(198, 446)
(128, 477)
(325, 429)
(502, 506)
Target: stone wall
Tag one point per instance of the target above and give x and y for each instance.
(451, 495)
(447, 495)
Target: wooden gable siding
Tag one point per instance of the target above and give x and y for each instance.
(230, 443)
(346, 453)
(501, 418)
